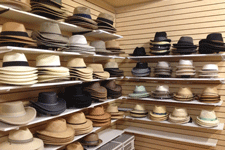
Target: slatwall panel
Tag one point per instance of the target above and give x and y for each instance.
(138, 24)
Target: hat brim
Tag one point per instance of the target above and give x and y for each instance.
(89, 144)
(17, 69)
(68, 133)
(53, 69)
(69, 19)
(21, 120)
(18, 83)
(105, 116)
(24, 6)
(23, 79)
(81, 126)
(157, 116)
(18, 37)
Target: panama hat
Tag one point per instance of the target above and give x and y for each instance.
(209, 95)
(209, 70)
(98, 113)
(98, 71)
(158, 113)
(139, 109)
(113, 45)
(74, 146)
(113, 68)
(100, 47)
(78, 64)
(183, 94)
(113, 110)
(163, 69)
(179, 115)
(139, 92)
(91, 140)
(14, 113)
(207, 118)
(22, 139)
(161, 92)
(105, 18)
(17, 4)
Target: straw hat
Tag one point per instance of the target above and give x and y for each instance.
(209, 70)
(91, 140)
(210, 91)
(99, 71)
(14, 113)
(79, 41)
(98, 113)
(139, 91)
(158, 113)
(207, 118)
(113, 110)
(161, 92)
(22, 139)
(17, 4)
(138, 111)
(105, 18)
(179, 115)
(184, 93)
(79, 65)
(100, 47)
(74, 146)
(112, 45)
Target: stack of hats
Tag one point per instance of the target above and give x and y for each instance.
(185, 69)
(15, 34)
(139, 51)
(209, 95)
(113, 69)
(212, 44)
(49, 8)
(82, 17)
(96, 91)
(78, 43)
(185, 46)
(22, 139)
(57, 132)
(161, 92)
(139, 92)
(78, 69)
(184, 94)
(209, 71)
(158, 113)
(163, 69)
(49, 104)
(113, 46)
(49, 68)
(207, 118)
(99, 117)
(79, 123)
(76, 97)
(138, 111)
(91, 140)
(74, 146)
(15, 113)
(49, 36)
(160, 45)
(100, 48)
(113, 110)
(98, 71)
(105, 22)
(179, 116)
(15, 70)
(113, 90)
(141, 70)
(23, 5)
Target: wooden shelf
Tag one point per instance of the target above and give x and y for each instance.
(193, 124)
(173, 136)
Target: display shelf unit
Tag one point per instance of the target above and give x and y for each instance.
(203, 57)
(53, 147)
(173, 136)
(8, 127)
(194, 102)
(193, 124)
(103, 35)
(106, 136)
(204, 80)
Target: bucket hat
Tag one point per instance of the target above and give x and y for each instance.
(91, 140)
(100, 47)
(20, 5)
(139, 92)
(158, 113)
(138, 111)
(160, 36)
(179, 116)
(74, 146)
(139, 51)
(207, 118)
(16, 114)
(22, 139)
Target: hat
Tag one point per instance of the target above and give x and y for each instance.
(112, 45)
(209, 71)
(184, 94)
(141, 69)
(179, 115)
(48, 103)
(185, 69)
(139, 92)
(161, 92)
(207, 118)
(74, 146)
(16, 114)
(98, 113)
(185, 46)
(22, 139)
(16, 4)
(105, 18)
(163, 69)
(100, 47)
(158, 113)
(113, 90)
(98, 71)
(160, 36)
(138, 111)
(113, 68)
(209, 95)
(91, 140)
(139, 51)
(113, 110)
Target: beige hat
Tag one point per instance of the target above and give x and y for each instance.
(138, 111)
(113, 110)
(184, 92)
(79, 65)
(111, 65)
(210, 91)
(112, 45)
(158, 112)
(74, 146)
(179, 115)
(22, 139)
(100, 47)
(17, 4)
(105, 18)
(207, 118)
(14, 113)
(99, 71)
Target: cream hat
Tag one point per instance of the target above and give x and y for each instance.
(113, 110)
(111, 65)
(210, 67)
(22, 139)
(185, 64)
(17, 4)
(100, 47)
(207, 118)
(179, 115)
(79, 65)
(163, 64)
(210, 91)
(138, 111)
(162, 88)
(14, 113)
(79, 41)
(184, 92)
(158, 111)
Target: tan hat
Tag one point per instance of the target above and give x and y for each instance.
(138, 111)
(17, 4)
(105, 18)
(91, 140)
(112, 45)
(179, 115)
(111, 65)
(100, 47)
(210, 91)
(15, 113)
(113, 110)
(184, 93)
(74, 146)
(98, 113)
(99, 71)
(79, 65)
(207, 118)
(158, 112)
(22, 139)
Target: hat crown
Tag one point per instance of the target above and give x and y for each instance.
(139, 89)
(78, 40)
(110, 84)
(139, 51)
(48, 98)
(56, 126)
(112, 109)
(184, 91)
(91, 137)
(210, 91)
(111, 65)
(185, 40)
(97, 111)
(76, 62)
(112, 44)
(82, 10)
(210, 67)
(98, 44)
(20, 135)
(159, 109)
(160, 36)
(12, 109)
(183, 62)
(74, 90)
(179, 112)
(48, 60)
(50, 27)
(77, 118)
(96, 67)
(139, 107)
(215, 37)
(13, 26)
(94, 85)
(106, 16)
(208, 114)
(163, 64)
(162, 88)
(12, 56)
(141, 65)
(75, 146)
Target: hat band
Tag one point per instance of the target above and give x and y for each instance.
(48, 103)
(140, 91)
(20, 141)
(83, 15)
(15, 63)
(50, 66)
(50, 33)
(207, 119)
(15, 33)
(159, 113)
(79, 67)
(92, 142)
(77, 123)
(106, 20)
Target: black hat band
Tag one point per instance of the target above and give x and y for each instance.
(15, 63)
(83, 15)
(14, 33)
(105, 20)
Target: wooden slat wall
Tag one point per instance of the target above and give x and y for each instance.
(138, 24)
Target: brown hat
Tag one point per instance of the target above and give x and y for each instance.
(17, 4)
(98, 113)
(91, 140)
(74, 146)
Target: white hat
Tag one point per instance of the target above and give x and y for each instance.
(207, 118)
(79, 41)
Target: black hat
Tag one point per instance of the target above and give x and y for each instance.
(160, 47)
(139, 51)
(141, 69)
(160, 36)
(185, 42)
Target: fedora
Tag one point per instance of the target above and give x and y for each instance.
(185, 69)
(100, 47)
(161, 92)
(113, 90)
(98, 113)
(16, 114)
(207, 118)
(97, 92)
(22, 139)
(113, 68)
(17, 4)
(185, 46)
(112, 45)
(209, 95)
(98, 71)
(113, 110)
(139, 92)
(138, 111)
(184, 93)
(91, 140)
(139, 51)
(163, 69)
(160, 36)
(105, 18)
(179, 115)
(209, 70)
(141, 69)
(74, 146)
(158, 113)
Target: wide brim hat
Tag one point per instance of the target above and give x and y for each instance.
(138, 115)
(69, 132)
(105, 116)
(86, 70)
(18, 69)
(86, 20)
(21, 120)
(85, 125)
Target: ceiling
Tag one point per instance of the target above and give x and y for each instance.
(120, 3)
